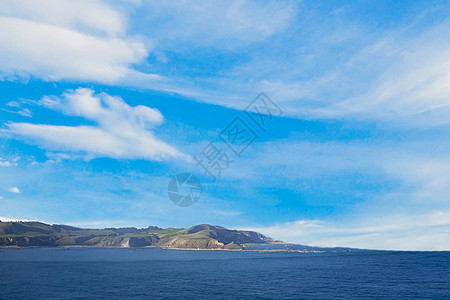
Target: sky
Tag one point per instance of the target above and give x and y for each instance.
(104, 102)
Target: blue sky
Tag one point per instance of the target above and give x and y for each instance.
(104, 101)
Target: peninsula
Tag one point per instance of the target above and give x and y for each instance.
(201, 237)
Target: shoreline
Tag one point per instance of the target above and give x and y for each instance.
(164, 248)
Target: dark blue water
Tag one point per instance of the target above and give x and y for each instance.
(145, 273)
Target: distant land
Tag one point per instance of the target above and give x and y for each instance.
(199, 237)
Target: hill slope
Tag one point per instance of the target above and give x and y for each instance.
(29, 234)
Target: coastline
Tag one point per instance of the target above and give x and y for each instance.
(164, 248)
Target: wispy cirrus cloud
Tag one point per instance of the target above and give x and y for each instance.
(225, 25)
(318, 63)
(7, 163)
(122, 131)
(15, 108)
(411, 81)
(427, 231)
(396, 74)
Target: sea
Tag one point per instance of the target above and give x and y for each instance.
(95, 273)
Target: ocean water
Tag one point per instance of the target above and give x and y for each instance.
(80, 273)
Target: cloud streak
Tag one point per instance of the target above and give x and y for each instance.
(220, 24)
(14, 190)
(394, 232)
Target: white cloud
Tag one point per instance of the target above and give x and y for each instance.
(13, 104)
(67, 40)
(14, 190)
(86, 15)
(429, 231)
(55, 53)
(5, 163)
(122, 131)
